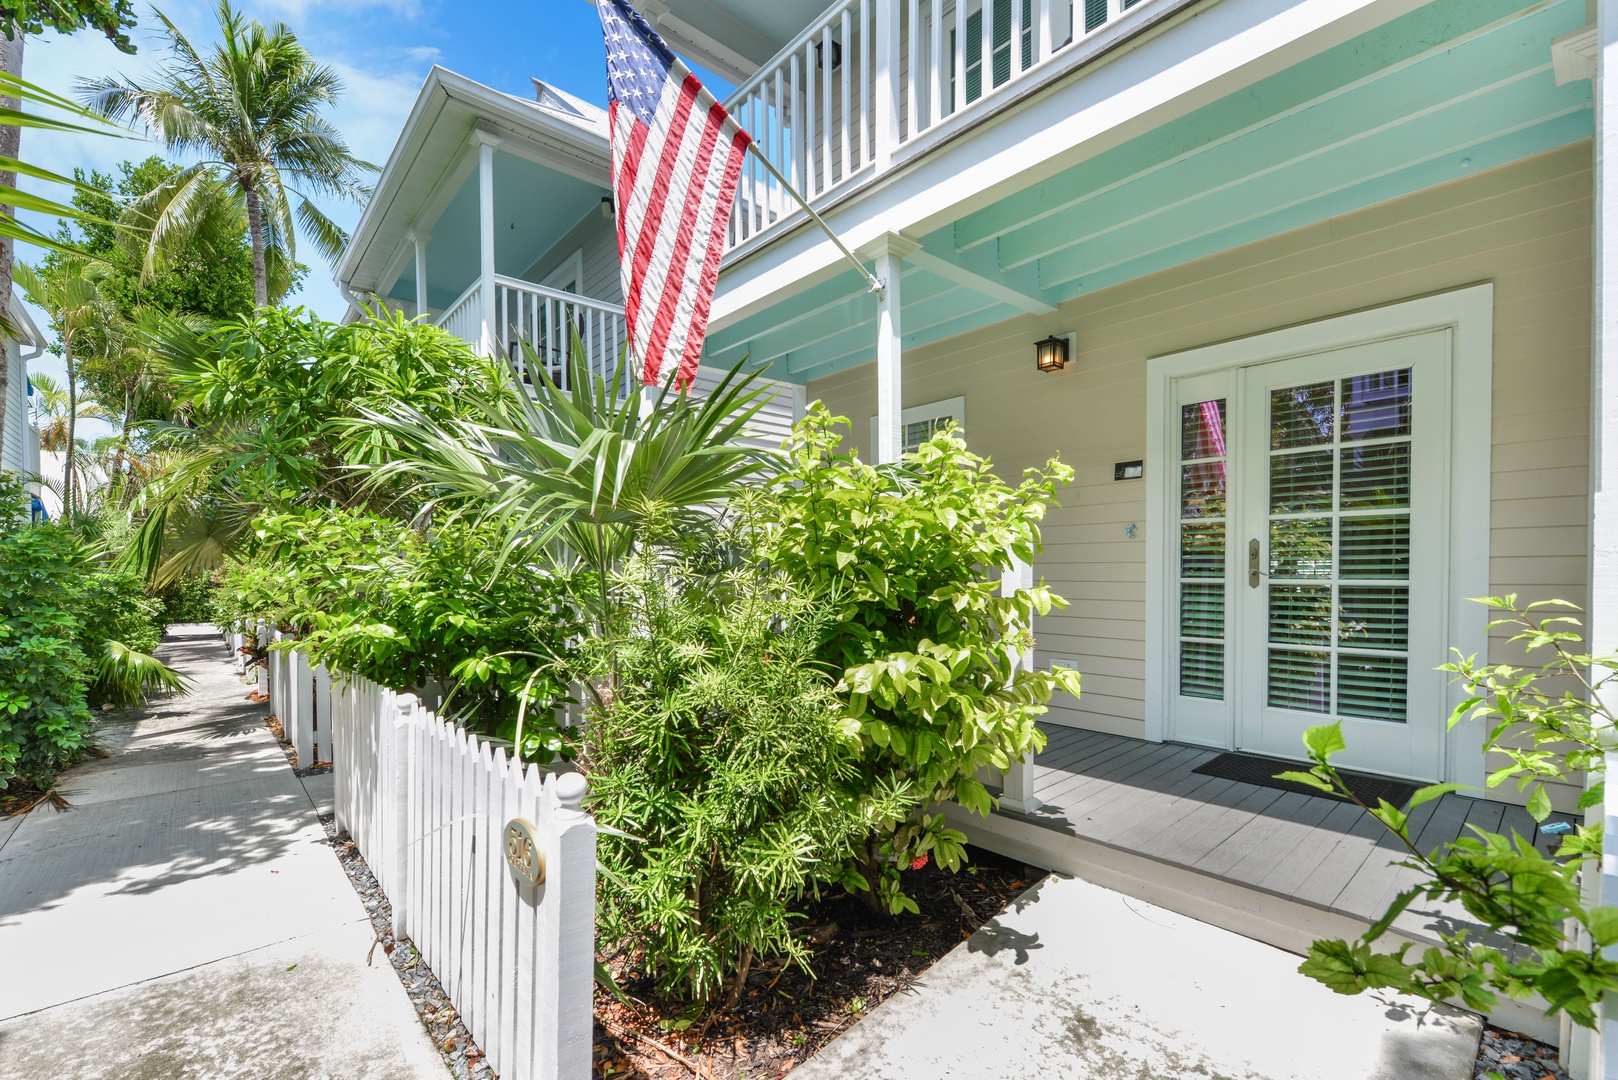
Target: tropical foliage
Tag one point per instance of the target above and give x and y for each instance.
(923, 643)
(111, 17)
(274, 407)
(421, 609)
(1534, 934)
(595, 469)
(724, 771)
(251, 108)
(74, 635)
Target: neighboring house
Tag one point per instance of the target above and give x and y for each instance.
(20, 448)
(1322, 274)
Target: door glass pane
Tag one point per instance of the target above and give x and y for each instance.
(1300, 547)
(1375, 547)
(1300, 614)
(1202, 669)
(1376, 477)
(1300, 680)
(1372, 687)
(1373, 617)
(1376, 406)
(1301, 416)
(1202, 549)
(1339, 535)
(1300, 483)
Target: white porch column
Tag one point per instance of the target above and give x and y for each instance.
(420, 239)
(888, 252)
(1601, 1060)
(1017, 788)
(486, 144)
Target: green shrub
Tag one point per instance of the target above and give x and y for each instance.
(44, 718)
(189, 599)
(920, 636)
(726, 757)
(418, 609)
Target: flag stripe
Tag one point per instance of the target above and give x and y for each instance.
(679, 250)
(697, 332)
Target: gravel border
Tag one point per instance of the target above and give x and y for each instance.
(463, 1057)
(1511, 1056)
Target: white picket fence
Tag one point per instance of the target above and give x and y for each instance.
(428, 806)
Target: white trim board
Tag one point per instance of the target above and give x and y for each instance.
(1469, 314)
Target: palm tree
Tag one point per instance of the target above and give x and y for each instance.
(251, 108)
(51, 404)
(84, 320)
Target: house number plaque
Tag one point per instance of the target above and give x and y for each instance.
(522, 852)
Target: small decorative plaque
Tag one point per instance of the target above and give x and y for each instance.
(522, 852)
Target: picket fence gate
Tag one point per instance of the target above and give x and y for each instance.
(428, 806)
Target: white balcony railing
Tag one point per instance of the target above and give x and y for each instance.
(542, 318)
(896, 70)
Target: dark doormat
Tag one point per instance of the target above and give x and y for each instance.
(1252, 769)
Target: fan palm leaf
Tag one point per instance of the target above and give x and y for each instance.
(595, 468)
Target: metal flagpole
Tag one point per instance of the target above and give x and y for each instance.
(877, 286)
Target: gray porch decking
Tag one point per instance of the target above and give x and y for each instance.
(1144, 798)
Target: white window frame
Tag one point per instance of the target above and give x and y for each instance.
(569, 269)
(954, 408)
(1469, 313)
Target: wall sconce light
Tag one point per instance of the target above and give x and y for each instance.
(606, 207)
(1051, 354)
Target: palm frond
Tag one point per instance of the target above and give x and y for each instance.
(126, 677)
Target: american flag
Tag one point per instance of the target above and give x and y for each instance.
(676, 158)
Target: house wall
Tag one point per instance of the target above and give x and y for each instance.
(1525, 227)
(597, 237)
(16, 410)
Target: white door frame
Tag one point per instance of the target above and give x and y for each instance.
(1469, 313)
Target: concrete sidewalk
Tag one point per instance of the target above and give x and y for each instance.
(186, 918)
(1076, 981)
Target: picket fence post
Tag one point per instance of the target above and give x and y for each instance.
(396, 801)
(567, 934)
(299, 719)
(321, 730)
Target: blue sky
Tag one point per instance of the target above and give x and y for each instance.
(382, 48)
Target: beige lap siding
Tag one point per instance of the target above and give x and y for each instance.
(1524, 227)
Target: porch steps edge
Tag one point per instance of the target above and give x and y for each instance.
(1282, 922)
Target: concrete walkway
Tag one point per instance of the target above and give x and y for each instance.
(186, 918)
(1076, 981)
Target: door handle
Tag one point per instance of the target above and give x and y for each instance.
(1252, 564)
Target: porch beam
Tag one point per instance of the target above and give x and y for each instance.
(978, 271)
(1430, 31)
(887, 252)
(486, 144)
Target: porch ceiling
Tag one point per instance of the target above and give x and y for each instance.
(534, 207)
(1454, 87)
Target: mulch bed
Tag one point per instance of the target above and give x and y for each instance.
(860, 960)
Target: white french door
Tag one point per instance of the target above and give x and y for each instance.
(1310, 564)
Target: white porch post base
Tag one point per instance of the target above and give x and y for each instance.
(1017, 786)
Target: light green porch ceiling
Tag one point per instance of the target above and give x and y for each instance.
(534, 208)
(1452, 88)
